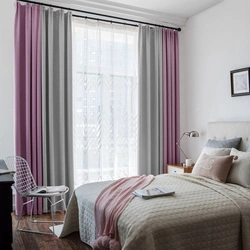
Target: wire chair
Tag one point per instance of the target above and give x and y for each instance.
(26, 187)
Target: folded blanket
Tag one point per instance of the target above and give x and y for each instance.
(110, 204)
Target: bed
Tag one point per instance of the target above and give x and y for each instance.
(204, 213)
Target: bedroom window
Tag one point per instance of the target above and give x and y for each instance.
(105, 89)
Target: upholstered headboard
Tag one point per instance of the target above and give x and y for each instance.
(229, 130)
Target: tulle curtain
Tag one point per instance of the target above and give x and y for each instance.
(105, 90)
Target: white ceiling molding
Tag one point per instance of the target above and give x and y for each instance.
(174, 13)
(180, 8)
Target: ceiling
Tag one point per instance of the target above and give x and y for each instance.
(166, 12)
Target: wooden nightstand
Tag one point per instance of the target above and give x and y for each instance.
(177, 169)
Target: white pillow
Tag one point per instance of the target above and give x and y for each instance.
(240, 169)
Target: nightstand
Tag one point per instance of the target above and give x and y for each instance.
(177, 169)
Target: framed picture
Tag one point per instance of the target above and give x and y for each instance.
(240, 82)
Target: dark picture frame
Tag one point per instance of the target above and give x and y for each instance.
(240, 82)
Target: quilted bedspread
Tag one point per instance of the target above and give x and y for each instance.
(202, 214)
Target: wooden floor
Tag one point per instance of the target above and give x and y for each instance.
(32, 241)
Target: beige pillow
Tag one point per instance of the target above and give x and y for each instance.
(240, 170)
(213, 167)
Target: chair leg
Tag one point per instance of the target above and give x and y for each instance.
(21, 214)
(52, 208)
(20, 217)
(30, 230)
(52, 216)
(64, 203)
(31, 211)
(52, 205)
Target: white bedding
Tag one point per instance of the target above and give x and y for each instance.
(202, 214)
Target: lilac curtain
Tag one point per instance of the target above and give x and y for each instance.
(28, 131)
(171, 96)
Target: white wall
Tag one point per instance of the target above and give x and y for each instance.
(6, 79)
(212, 44)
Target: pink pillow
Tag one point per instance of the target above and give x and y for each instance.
(213, 167)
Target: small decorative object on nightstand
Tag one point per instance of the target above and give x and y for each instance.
(177, 169)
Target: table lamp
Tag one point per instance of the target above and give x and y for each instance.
(190, 134)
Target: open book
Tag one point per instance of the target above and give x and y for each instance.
(6, 171)
(49, 189)
(153, 192)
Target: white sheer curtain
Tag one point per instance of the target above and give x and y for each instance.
(105, 96)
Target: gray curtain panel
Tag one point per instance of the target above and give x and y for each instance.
(150, 149)
(57, 99)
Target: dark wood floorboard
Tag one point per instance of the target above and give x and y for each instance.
(32, 241)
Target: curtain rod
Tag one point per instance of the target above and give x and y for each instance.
(103, 15)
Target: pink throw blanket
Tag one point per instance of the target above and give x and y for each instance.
(109, 205)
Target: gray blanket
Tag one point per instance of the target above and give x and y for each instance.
(202, 214)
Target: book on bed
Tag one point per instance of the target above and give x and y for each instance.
(153, 192)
